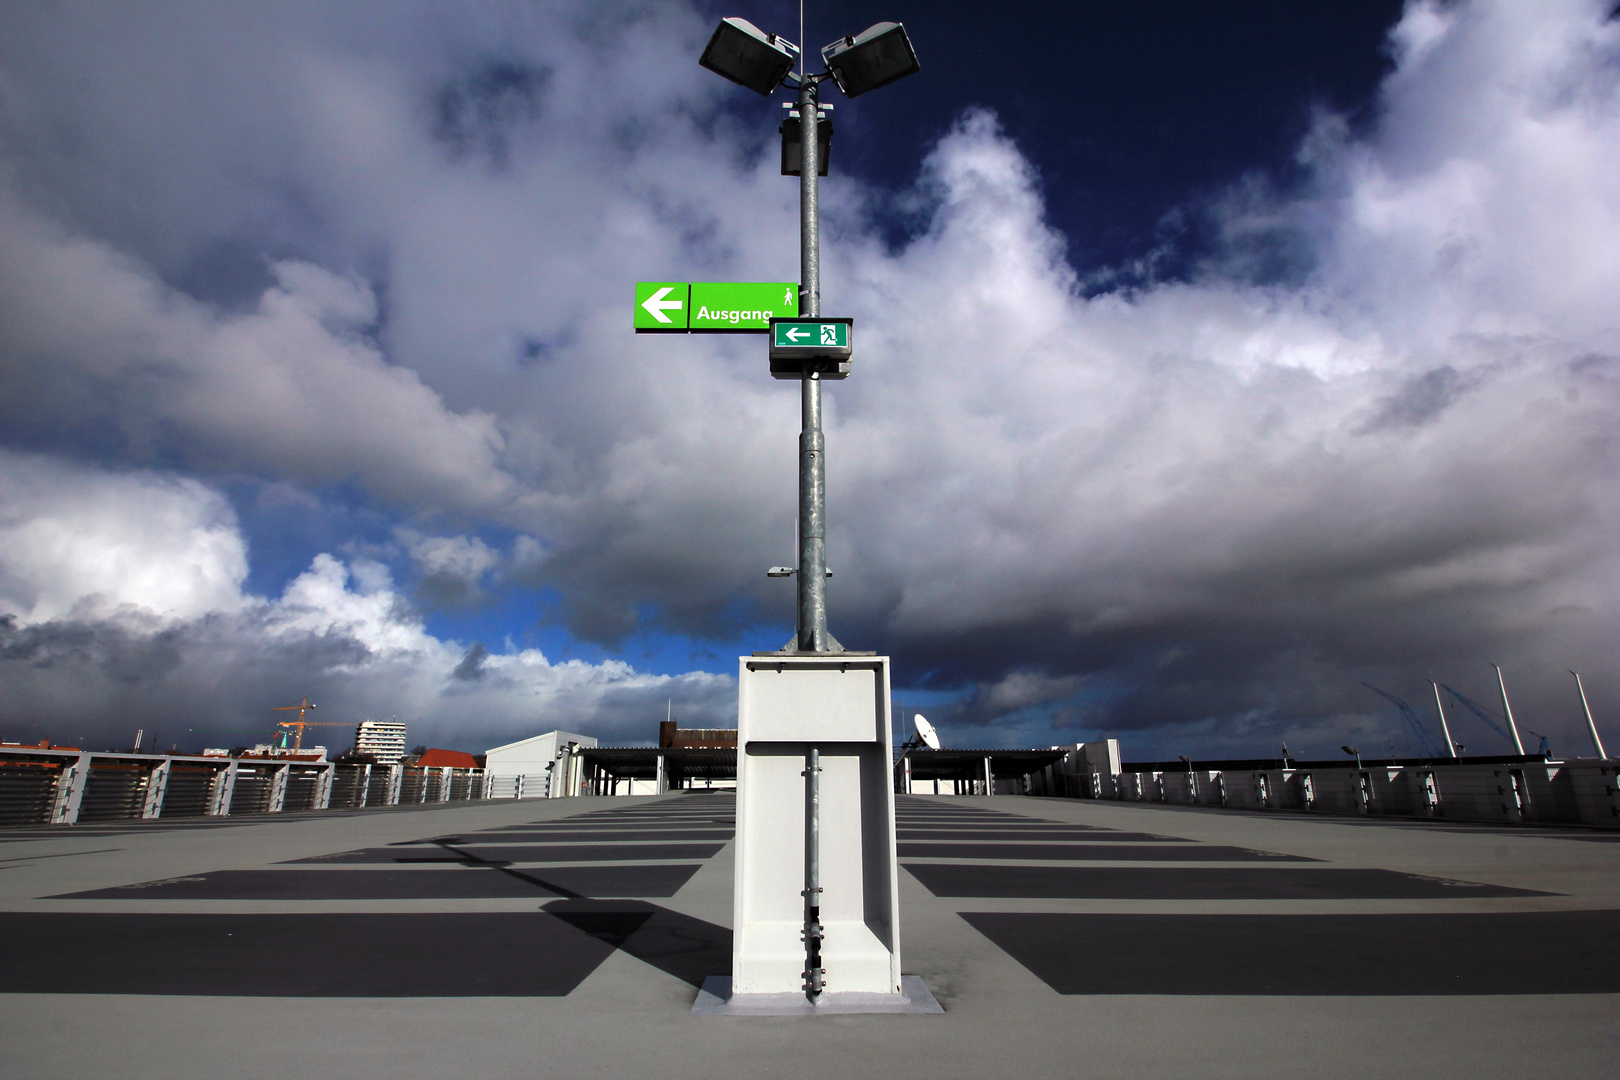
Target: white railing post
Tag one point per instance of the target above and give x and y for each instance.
(157, 785)
(323, 788)
(70, 791)
(278, 788)
(219, 801)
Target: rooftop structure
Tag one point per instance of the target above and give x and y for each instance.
(535, 768)
(671, 735)
(1062, 936)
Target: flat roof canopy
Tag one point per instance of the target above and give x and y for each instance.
(641, 762)
(969, 764)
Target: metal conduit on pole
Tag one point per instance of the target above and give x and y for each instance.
(813, 933)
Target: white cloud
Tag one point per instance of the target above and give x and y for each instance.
(452, 568)
(94, 545)
(121, 601)
(1401, 457)
(292, 388)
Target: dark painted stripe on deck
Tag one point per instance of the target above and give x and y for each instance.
(478, 854)
(1098, 837)
(638, 832)
(1194, 883)
(486, 954)
(461, 883)
(1521, 952)
(1097, 852)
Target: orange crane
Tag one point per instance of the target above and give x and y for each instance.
(300, 724)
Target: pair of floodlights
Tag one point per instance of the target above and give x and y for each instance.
(750, 57)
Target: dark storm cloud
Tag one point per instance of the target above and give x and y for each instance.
(1371, 439)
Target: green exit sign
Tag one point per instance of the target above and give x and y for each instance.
(805, 343)
(817, 334)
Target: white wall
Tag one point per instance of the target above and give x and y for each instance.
(530, 758)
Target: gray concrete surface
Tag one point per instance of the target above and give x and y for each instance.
(1371, 968)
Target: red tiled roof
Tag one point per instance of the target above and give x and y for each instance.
(439, 759)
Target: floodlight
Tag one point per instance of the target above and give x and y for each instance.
(875, 57)
(1350, 750)
(748, 56)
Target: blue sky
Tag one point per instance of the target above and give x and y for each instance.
(1215, 360)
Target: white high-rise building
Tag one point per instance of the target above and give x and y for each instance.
(382, 739)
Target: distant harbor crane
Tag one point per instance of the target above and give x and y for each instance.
(1480, 711)
(1410, 717)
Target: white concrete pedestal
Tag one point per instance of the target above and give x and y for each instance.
(838, 703)
(716, 999)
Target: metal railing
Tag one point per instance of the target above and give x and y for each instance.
(68, 787)
(1511, 790)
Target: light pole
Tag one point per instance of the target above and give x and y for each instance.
(762, 62)
(1518, 743)
(1591, 728)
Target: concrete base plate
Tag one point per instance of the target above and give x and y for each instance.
(715, 999)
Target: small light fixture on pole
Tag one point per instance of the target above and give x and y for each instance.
(1353, 752)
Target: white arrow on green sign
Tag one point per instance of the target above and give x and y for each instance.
(713, 307)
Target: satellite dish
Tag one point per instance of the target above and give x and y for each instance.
(926, 732)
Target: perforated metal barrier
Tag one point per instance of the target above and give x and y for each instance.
(70, 787)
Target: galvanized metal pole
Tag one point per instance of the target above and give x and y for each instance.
(1508, 709)
(1591, 728)
(812, 575)
(1445, 729)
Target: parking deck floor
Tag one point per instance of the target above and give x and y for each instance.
(567, 938)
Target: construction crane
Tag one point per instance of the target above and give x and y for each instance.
(1480, 711)
(1423, 735)
(300, 724)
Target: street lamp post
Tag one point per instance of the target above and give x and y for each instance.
(761, 61)
(812, 607)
